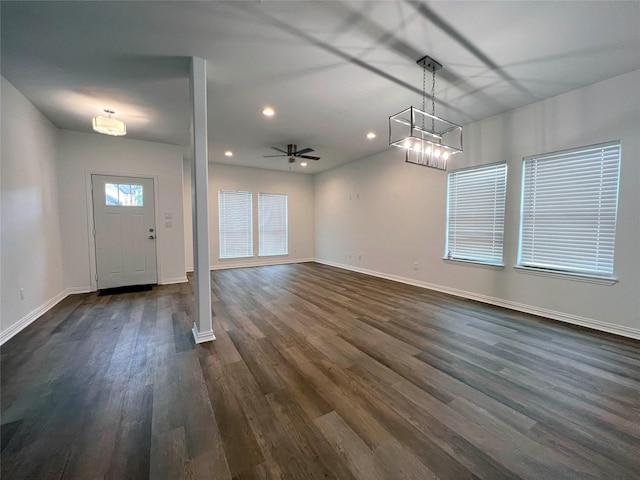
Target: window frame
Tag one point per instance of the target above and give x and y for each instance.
(501, 170)
(261, 230)
(250, 253)
(134, 198)
(570, 271)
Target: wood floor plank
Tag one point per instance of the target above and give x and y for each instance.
(371, 432)
(349, 446)
(315, 373)
(169, 457)
(306, 436)
(241, 448)
(398, 462)
(301, 389)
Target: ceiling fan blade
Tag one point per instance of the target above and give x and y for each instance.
(308, 157)
(268, 156)
(279, 150)
(304, 150)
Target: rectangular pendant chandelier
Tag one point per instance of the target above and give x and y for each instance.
(428, 140)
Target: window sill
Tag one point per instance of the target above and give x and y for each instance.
(471, 263)
(577, 277)
(274, 255)
(235, 258)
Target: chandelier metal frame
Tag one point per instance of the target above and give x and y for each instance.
(427, 139)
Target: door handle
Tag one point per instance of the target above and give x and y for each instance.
(151, 237)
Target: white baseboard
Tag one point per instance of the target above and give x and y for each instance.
(520, 307)
(170, 281)
(201, 337)
(74, 290)
(261, 263)
(31, 317)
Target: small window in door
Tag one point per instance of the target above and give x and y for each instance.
(122, 194)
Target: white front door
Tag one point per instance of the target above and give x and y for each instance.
(124, 230)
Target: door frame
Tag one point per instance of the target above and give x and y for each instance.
(93, 269)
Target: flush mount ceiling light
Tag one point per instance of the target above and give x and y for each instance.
(109, 125)
(371, 135)
(228, 153)
(268, 111)
(427, 140)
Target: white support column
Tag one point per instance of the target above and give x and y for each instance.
(202, 327)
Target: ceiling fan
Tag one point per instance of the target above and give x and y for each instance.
(292, 152)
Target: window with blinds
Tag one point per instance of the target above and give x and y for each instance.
(236, 224)
(475, 214)
(569, 207)
(272, 224)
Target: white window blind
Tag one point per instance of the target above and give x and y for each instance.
(569, 207)
(475, 214)
(272, 224)
(236, 224)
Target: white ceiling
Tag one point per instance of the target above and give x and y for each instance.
(332, 70)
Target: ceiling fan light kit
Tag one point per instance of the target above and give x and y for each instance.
(428, 140)
(109, 125)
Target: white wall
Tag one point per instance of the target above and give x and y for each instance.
(79, 155)
(299, 189)
(400, 215)
(30, 257)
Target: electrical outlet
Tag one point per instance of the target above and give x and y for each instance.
(349, 254)
(22, 294)
(360, 257)
(357, 196)
(415, 265)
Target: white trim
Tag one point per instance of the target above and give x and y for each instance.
(76, 290)
(472, 263)
(520, 307)
(262, 263)
(36, 313)
(173, 280)
(576, 277)
(202, 337)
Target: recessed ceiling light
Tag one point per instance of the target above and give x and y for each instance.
(303, 164)
(228, 153)
(371, 135)
(268, 111)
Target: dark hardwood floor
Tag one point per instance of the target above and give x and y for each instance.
(316, 373)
